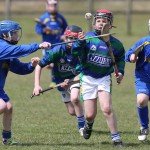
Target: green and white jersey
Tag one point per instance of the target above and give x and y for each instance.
(95, 57)
(60, 58)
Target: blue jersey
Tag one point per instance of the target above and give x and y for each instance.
(8, 51)
(58, 23)
(15, 66)
(95, 58)
(62, 68)
(142, 70)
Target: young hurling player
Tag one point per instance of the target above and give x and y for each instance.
(10, 33)
(60, 56)
(52, 28)
(96, 73)
(142, 82)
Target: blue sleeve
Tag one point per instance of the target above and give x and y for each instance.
(39, 28)
(20, 68)
(132, 49)
(8, 51)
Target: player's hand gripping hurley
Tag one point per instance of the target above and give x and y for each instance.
(73, 80)
(106, 39)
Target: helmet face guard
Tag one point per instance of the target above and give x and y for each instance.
(15, 36)
(105, 14)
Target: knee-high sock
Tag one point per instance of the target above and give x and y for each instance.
(143, 116)
(6, 134)
(81, 121)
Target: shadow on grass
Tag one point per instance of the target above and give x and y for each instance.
(126, 145)
(85, 144)
(107, 132)
(61, 144)
(138, 144)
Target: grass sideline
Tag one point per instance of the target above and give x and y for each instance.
(42, 123)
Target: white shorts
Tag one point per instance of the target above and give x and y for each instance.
(90, 86)
(66, 94)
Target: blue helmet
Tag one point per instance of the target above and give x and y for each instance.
(10, 31)
(7, 26)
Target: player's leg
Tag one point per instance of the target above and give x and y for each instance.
(90, 108)
(143, 94)
(105, 101)
(7, 123)
(89, 95)
(142, 109)
(66, 99)
(106, 107)
(74, 110)
(7, 117)
(74, 96)
(6, 111)
(3, 106)
(70, 108)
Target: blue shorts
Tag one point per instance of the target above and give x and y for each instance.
(142, 87)
(4, 96)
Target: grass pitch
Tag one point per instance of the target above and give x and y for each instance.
(42, 123)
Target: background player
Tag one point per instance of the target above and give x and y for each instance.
(52, 27)
(142, 81)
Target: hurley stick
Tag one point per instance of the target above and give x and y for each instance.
(106, 39)
(138, 49)
(73, 80)
(50, 31)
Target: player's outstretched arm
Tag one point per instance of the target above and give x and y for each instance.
(37, 87)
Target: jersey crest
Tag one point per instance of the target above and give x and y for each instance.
(93, 48)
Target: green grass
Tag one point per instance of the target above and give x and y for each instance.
(42, 123)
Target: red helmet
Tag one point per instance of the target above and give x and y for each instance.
(72, 31)
(52, 1)
(103, 13)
